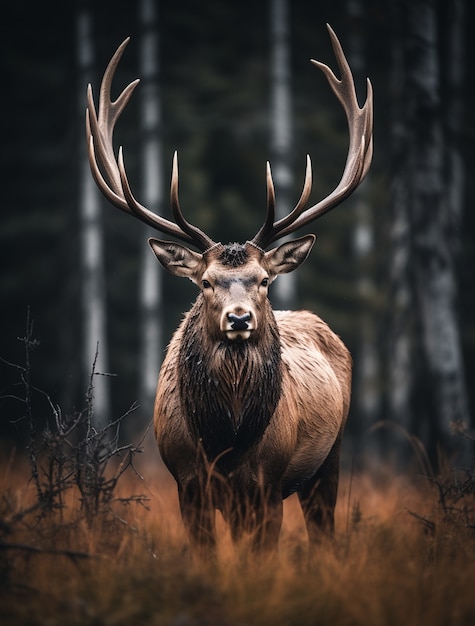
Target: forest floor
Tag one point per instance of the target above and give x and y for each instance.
(404, 553)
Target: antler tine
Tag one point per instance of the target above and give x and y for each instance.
(102, 125)
(144, 214)
(307, 188)
(269, 228)
(110, 174)
(266, 228)
(360, 150)
(198, 236)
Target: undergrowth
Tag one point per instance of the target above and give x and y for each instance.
(86, 540)
(384, 567)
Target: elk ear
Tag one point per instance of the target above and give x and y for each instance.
(177, 259)
(288, 256)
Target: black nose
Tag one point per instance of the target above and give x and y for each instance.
(239, 322)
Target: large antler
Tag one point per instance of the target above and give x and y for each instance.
(360, 152)
(110, 174)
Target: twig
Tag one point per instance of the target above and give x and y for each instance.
(429, 524)
(72, 554)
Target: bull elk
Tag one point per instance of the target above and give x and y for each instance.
(251, 403)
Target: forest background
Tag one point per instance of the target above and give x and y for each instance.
(385, 261)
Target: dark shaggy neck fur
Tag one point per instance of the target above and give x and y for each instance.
(229, 390)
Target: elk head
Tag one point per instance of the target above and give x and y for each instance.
(233, 278)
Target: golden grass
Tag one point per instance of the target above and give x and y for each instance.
(384, 568)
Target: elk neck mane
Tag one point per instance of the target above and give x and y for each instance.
(229, 390)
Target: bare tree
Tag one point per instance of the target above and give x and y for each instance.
(284, 291)
(427, 389)
(366, 395)
(152, 192)
(93, 280)
(398, 353)
(454, 117)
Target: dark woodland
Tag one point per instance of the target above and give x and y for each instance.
(391, 271)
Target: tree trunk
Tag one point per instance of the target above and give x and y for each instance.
(435, 281)
(93, 281)
(284, 290)
(366, 396)
(454, 118)
(426, 224)
(400, 372)
(152, 192)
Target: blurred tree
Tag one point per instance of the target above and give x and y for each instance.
(93, 279)
(366, 387)
(427, 385)
(284, 290)
(399, 367)
(153, 198)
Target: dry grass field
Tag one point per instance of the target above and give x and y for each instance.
(400, 556)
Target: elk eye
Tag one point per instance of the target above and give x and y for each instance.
(206, 284)
(264, 282)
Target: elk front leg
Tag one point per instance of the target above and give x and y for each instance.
(198, 514)
(268, 522)
(258, 513)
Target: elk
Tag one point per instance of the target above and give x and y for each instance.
(251, 403)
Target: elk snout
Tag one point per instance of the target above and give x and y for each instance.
(237, 324)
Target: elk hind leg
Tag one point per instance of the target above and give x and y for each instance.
(318, 497)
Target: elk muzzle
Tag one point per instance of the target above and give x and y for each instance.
(237, 324)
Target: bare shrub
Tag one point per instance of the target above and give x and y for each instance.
(75, 469)
(453, 502)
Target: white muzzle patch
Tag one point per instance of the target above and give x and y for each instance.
(238, 335)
